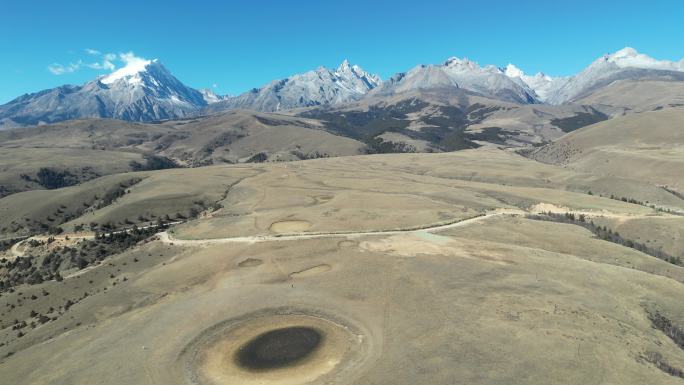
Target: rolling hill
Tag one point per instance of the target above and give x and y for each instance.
(482, 259)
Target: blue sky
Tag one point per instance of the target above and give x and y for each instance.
(237, 45)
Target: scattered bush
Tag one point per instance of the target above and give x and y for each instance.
(606, 234)
(153, 162)
(665, 325)
(659, 361)
(260, 157)
(379, 146)
(33, 270)
(51, 178)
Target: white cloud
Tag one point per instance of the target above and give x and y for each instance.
(59, 69)
(132, 64)
(107, 62)
(130, 59)
(105, 65)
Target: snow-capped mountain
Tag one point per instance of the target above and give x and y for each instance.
(625, 64)
(488, 81)
(318, 87)
(143, 90)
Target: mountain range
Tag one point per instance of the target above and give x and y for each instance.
(145, 91)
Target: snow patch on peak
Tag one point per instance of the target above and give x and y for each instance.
(540, 83)
(513, 72)
(134, 65)
(629, 57)
(210, 96)
(459, 64)
(344, 66)
(626, 52)
(355, 74)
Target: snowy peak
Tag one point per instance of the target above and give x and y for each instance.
(348, 71)
(489, 81)
(149, 77)
(141, 78)
(625, 64)
(322, 86)
(356, 78)
(142, 90)
(149, 74)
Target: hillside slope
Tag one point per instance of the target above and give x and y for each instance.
(80, 150)
(647, 146)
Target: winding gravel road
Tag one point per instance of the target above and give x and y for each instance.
(169, 239)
